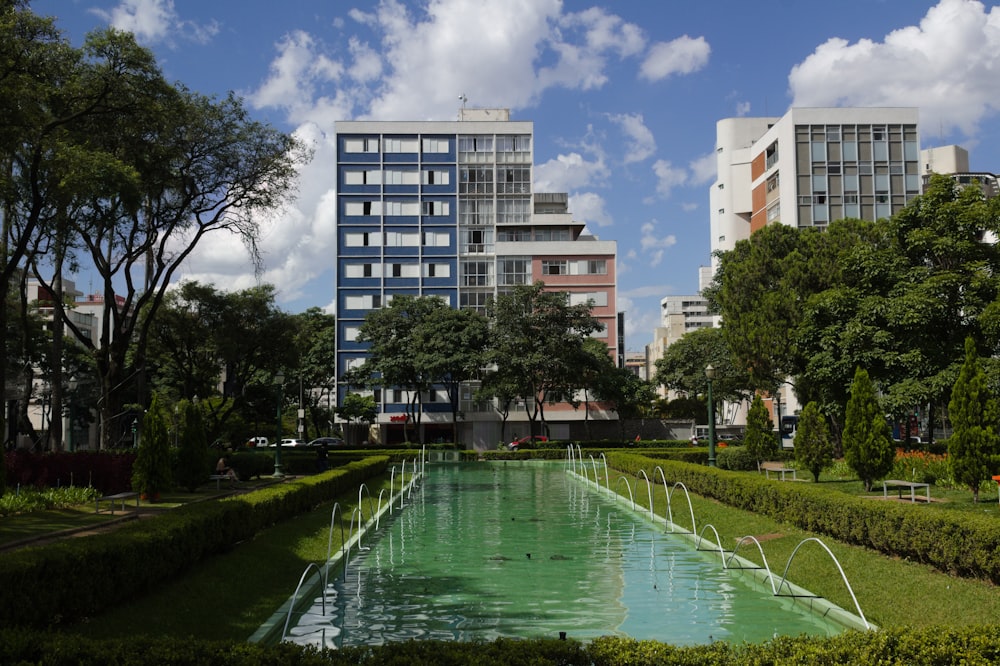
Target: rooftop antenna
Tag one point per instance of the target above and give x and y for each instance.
(464, 99)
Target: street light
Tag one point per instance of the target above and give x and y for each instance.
(710, 375)
(279, 379)
(72, 384)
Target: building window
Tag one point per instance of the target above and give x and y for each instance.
(597, 267)
(402, 239)
(351, 333)
(430, 177)
(477, 273)
(513, 211)
(437, 270)
(436, 239)
(359, 208)
(771, 155)
(554, 267)
(597, 299)
(400, 177)
(362, 270)
(435, 145)
(363, 239)
(475, 180)
(436, 208)
(360, 145)
(774, 212)
(551, 235)
(402, 207)
(363, 302)
(399, 145)
(772, 183)
(477, 241)
(362, 177)
(513, 180)
(514, 271)
(475, 300)
(473, 212)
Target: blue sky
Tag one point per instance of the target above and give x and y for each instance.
(624, 95)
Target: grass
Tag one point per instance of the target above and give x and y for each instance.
(229, 596)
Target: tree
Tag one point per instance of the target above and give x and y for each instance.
(813, 449)
(151, 470)
(625, 393)
(184, 165)
(192, 447)
(316, 344)
(759, 439)
(357, 408)
(536, 337)
(974, 446)
(682, 367)
(393, 333)
(451, 345)
(868, 447)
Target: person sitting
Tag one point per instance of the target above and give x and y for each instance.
(222, 468)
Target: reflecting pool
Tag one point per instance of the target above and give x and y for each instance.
(522, 549)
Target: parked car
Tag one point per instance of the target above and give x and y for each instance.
(255, 442)
(331, 443)
(293, 441)
(526, 442)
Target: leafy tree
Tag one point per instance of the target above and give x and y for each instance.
(626, 393)
(192, 454)
(813, 449)
(451, 345)
(181, 166)
(357, 408)
(682, 367)
(759, 439)
(974, 447)
(393, 334)
(316, 343)
(868, 447)
(201, 333)
(536, 338)
(151, 470)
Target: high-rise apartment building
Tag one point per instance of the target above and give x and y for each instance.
(448, 209)
(810, 167)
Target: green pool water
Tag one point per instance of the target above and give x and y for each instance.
(523, 550)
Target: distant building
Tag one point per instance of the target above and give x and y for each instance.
(448, 209)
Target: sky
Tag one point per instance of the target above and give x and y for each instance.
(624, 96)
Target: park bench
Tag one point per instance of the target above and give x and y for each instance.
(219, 478)
(778, 468)
(117, 497)
(900, 484)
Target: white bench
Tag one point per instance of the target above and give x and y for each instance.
(912, 485)
(777, 468)
(117, 497)
(219, 478)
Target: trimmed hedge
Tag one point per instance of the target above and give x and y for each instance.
(960, 544)
(915, 647)
(75, 578)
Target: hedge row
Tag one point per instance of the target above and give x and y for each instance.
(76, 578)
(960, 544)
(108, 471)
(915, 647)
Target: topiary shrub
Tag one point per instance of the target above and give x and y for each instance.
(151, 472)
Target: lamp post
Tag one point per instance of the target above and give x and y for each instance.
(279, 379)
(710, 375)
(72, 384)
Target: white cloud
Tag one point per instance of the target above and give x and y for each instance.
(641, 143)
(703, 168)
(567, 173)
(742, 108)
(589, 207)
(153, 21)
(668, 177)
(689, 206)
(653, 246)
(679, 56)
(948, 66)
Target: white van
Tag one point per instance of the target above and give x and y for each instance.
(257, 442)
